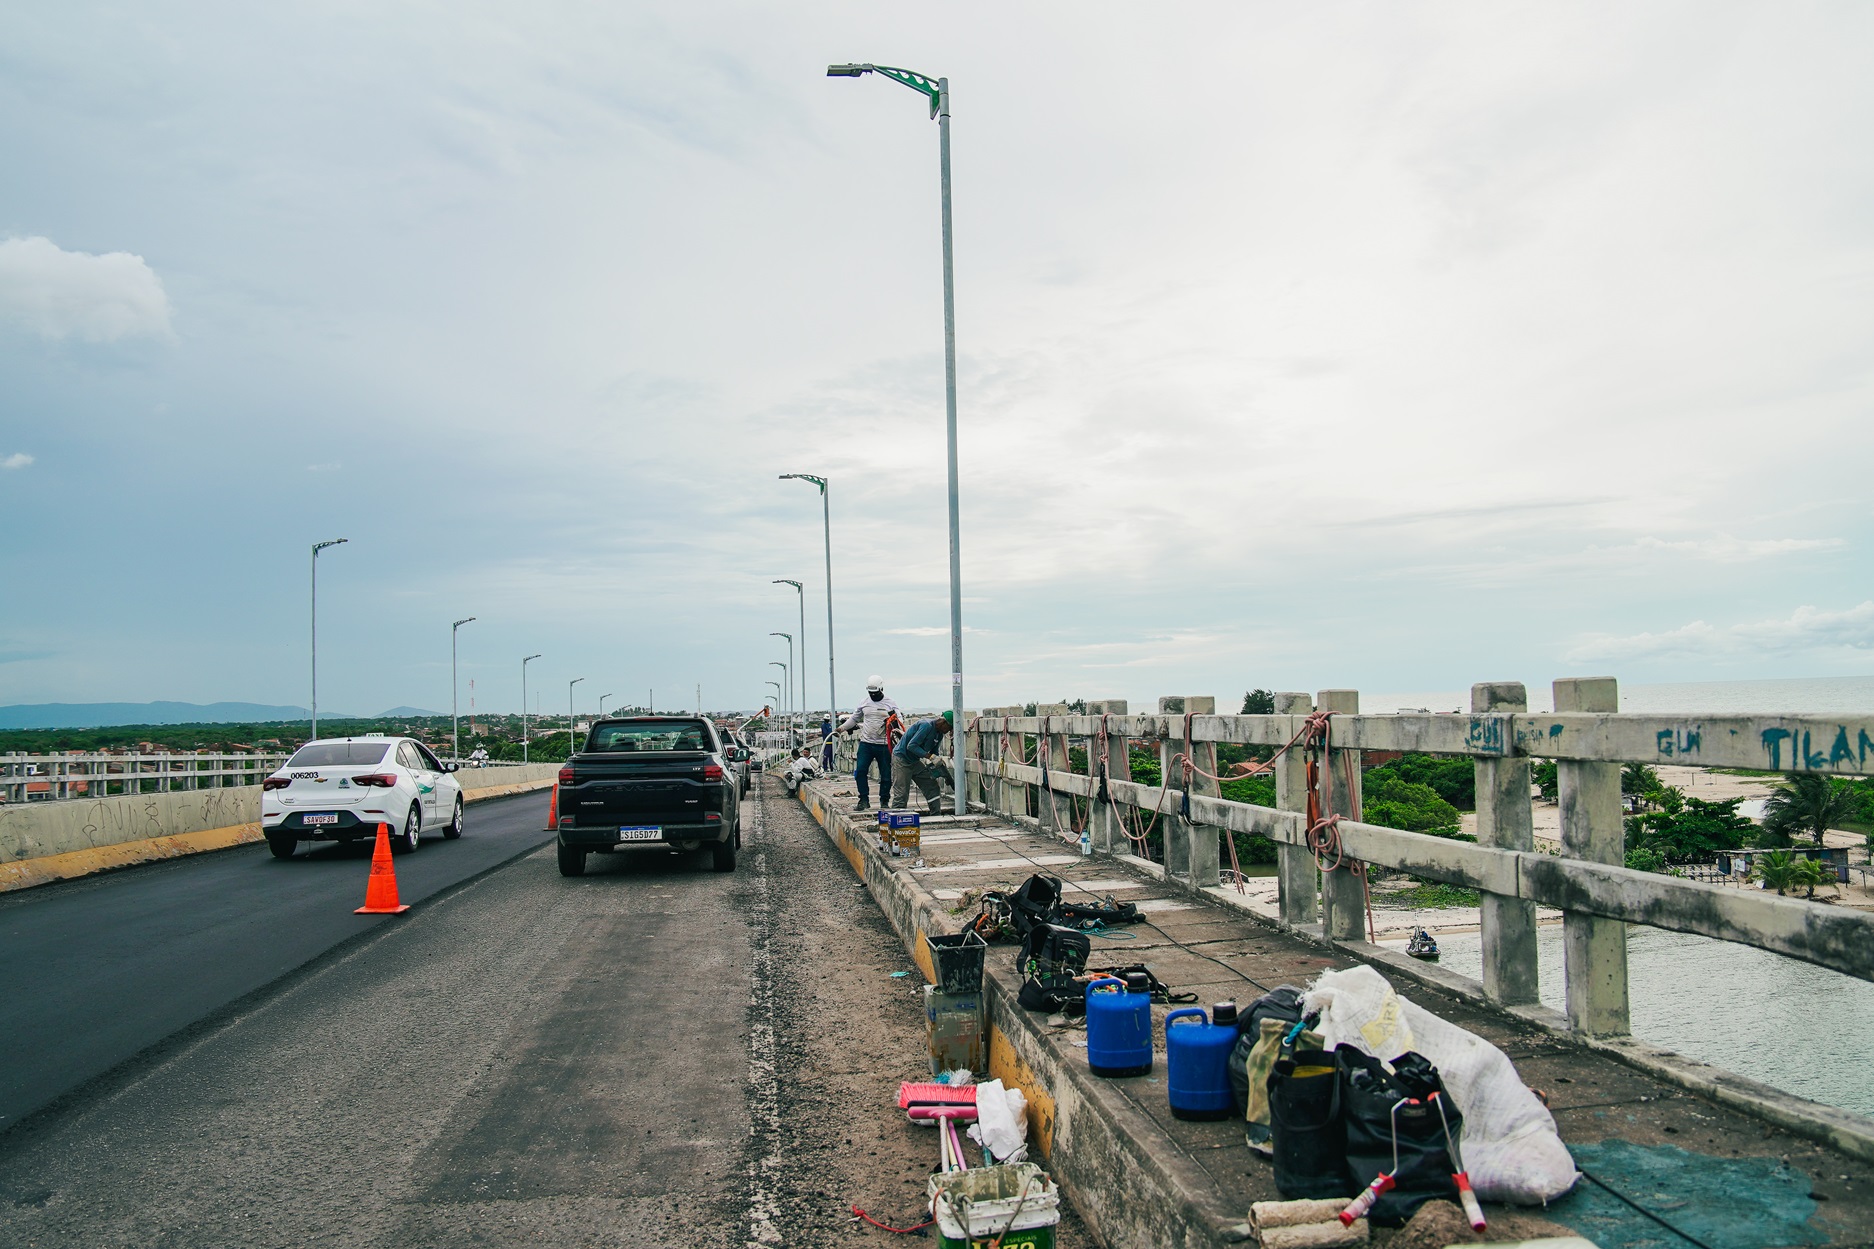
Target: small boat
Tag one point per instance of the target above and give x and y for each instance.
(1422, 946)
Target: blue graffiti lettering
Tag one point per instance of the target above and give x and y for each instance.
(1810, 759)
(1841, 752)
(1773, 746)
(1689, 741)
(1662, 742)
(1866, 744)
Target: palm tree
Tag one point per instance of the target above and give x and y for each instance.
(1807, 804)
(1782, 871)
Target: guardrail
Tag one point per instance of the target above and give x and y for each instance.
(53, 778)
(1586, 881)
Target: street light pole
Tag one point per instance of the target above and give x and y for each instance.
(316, 548)
(790, 665)
(602, 698)
(826, 524)
(455, 721)
(524, 664)
(801, 594)
(569, 715)
(937, 91)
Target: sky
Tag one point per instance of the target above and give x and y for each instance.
(1392, 347)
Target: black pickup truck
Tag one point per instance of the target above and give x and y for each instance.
(664, 781)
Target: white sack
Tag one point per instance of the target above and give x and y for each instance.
(1511, 1148)
(998, 1127)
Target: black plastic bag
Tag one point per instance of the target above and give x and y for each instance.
(1307, 1130)
(1393, 1125)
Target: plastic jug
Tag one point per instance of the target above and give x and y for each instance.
(1119, 1028)
(1197, 1054)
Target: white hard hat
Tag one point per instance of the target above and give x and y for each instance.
(875, 683)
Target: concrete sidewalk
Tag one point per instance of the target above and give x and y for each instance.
(1140, 1177)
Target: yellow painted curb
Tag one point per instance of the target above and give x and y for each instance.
(1007, 1066)
(25, 873)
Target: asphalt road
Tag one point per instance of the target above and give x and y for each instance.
(652, 1054)
(101, 968)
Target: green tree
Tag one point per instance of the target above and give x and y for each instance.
(1395, 802)
(1259, 703)
(1806, 805)
(1547, 779)
(1452, 778)
(1687, 830)
(1640, 859)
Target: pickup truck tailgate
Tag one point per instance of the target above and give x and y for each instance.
(657, 789)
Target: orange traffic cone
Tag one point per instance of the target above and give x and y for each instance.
(380, 892)
(553, 811)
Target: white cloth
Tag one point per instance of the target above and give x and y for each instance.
(1511, 1148)
(869, 719)
(1001, 1122)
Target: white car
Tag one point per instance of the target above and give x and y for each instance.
(342, 788)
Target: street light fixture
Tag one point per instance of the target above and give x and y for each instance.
(787, 683)
(777, 692)
(826, 524)
(455, 721)
(316, 548)
(602, 698)
(524, 664)
(937, 91)
(801, 594)
(569, 715)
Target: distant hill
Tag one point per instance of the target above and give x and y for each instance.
(407, 713)
(104, 715)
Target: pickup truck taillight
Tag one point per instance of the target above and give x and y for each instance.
(382, 779)
(712, 771)
(566, 775)
(276, 782)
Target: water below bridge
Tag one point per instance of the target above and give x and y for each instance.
(1799, 1028)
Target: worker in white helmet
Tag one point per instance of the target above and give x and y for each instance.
(874, 721)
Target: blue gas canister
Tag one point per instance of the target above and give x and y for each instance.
(1197, 1054)
(1119, 1028)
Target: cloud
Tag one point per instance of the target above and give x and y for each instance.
(59, 294)
(19, 459)
(932, 631)
(1806, 629)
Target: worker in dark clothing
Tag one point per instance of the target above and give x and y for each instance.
(918, 760)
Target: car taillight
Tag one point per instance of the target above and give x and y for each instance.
(276, 782)
(712, 771)
(566, 775)
(386, 779)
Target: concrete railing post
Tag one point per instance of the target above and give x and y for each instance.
(1297, 881)
(1010, 800)
(1108, 836)
(1190, 850)
(1055, 810)
(1506, 821)
(1343, 890)
(1593, 829)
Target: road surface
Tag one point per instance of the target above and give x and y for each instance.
(652, 1054)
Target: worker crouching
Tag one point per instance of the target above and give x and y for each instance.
(919, 760)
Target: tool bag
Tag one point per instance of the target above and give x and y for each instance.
(1393, 1126)
(1082, 915)
(1307, 1130)
(1282, 1002)
(1161, 992)
(1051, 961)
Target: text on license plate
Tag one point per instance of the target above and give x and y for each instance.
(321, 819)
(641, 832)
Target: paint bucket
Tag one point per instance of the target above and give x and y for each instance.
(973, 1207)
(957, 961)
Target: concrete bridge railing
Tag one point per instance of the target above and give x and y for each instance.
(1586, 736)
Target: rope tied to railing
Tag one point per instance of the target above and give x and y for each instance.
(1323, 820)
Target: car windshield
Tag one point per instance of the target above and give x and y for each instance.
(647, 735)
(339, 754)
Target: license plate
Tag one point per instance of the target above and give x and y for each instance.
(320, 819)
(641, 832)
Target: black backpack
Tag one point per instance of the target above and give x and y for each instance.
(1282, 1002)
(1051, 960)
(1308, 1130)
